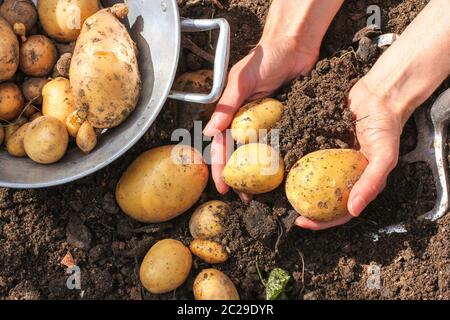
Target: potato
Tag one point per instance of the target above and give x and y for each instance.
(166, 266)
(57, 99)
(15, 145)
(73, 123)
(319, 184)
(2, 135)
(19, 12)
(46, 140)
(254, 168)
(13, 127)
(212, 284)
(104, 70)
(38, 56)
(207, 220)
(9, 51)
(11, 101)
(162, 183)
(32, 89)
(35, 116)
(86, 138)
(62, 66)
(255, 116)
(29, 110)
(209, 251)
(62, 19)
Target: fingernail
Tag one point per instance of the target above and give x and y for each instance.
(357, 205)
(210, 129)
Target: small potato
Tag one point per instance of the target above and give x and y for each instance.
(254, 117)
(9, 51)
(46, 140)
(57, 99)
(29, 110)
(13, 127)
(207, 220)
(166, 266)
(162, 183)
(32, 89)
(38, 56)
(2, 135)
(212, 284)
(62, 19)
(11, 101)
(73, 123)
(209, 251)
(19, 12)
(86, 138)
(15, 144)
(319, 184)
(254, 168)
(35, 116)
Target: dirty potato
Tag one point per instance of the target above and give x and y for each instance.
(86, 138)
(46, 140)
(254, 168)
(254, 117)
(19, 12)
(32, 89)
(319, 184)
(162, 183)
(212, 284)
(38, 56)
(62, 19)
(57, 100)
(207, 220)
(9, 51)
(209, 251)
(166, 266)
(11, 101)
(13, 127)
(15, 145)
(104, 70)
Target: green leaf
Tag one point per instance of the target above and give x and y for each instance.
(276, 283)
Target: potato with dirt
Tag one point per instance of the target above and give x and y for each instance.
(9, 51)
(11, 101)
(63, 19)
(57, 99)
(253, 117)
(209, 251)
(38, 55)
(319, 184)
(32, 89)
(212, 284)
(162, 183)
(166, 266)
(19, 12)
(13, 127)
(104, 70)
(15, 145)
(254, 168)
(86, 138)
(46, 140)
(207, 220)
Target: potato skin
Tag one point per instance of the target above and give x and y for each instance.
(166, 266)
(86, 138)
(207, 220)
(254, 168)
(9, 51)
(57, 17)
(19, 11)
(35, 116)
(104, 71)
(11, 101)
(319, 184)
(15, 145)
(157, 186)
(46, 140)
(253, 117)
(10, 129)
(209, 251)
(32, 89)
(73, 123)
(212, 284)
(57, 99)
(2, 135)
(38, 56)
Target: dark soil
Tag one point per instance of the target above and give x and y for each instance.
(39, 227)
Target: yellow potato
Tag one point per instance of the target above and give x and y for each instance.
(11, 128)
(255, 116)
(35, 116)
(207, 220)
(15, 145)
(166, 266)
(319, 184)
(38, 55)
(62, 19)
(46, 140)
(57, 99)
(254, 168)
(104, 71)
(162, 183)
(9, 51)
(212, 284)
(32, 89)
(73, 123)
(11, 101)
(86, 138)
(209, 251)
(2, 135)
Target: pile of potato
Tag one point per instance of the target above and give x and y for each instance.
(63, 76)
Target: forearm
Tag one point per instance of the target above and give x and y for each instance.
(417, 63)
(303, 21)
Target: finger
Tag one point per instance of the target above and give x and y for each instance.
(218, 161)
(244, 196)
(305, 223)
(371, 183)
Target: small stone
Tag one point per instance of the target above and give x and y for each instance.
(310, 296)
(78, 235)
(109, 204)
(24, 291)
